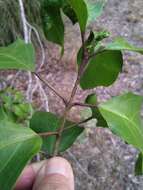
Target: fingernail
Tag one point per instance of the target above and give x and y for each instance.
(56, 167)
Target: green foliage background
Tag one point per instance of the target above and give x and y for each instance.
(10, 22)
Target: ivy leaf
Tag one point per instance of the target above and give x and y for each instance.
(42, 122)
(95, 9)
(80, 9)
(139, 165)
(122, 114)
(53, 24)
(102, 70)
(92, 99)
(17, 56)
(17, 146)
(121, 44)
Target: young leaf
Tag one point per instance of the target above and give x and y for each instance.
(92, 43)
(80, 9)
(122, 114)
(17, 146)
(42, 122)
(95, 9)
(102, 70)
(121, 44)
(17, 56)
(92, 99)
(53, 24)
(139, 165)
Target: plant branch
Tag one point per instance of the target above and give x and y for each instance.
(68, 107)
(85, 57)
(46, 134)
(84, 105)
(79, 123)
(58, 137)
(50, 87)
(69, 104)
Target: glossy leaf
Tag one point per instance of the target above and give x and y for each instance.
(121, 44)
(92, 99)
(95, 9)
(17, 146)
(122, 114)
(53, 24)
(139, 165)
(42, 122)
(69, 12)
(17, 56)
(80, 9)
(102, 70)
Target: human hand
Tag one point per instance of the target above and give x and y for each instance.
(53, 174)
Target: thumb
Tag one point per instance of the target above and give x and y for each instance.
(55, 174)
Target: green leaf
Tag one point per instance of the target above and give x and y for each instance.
(122, 114)
(42, 122)
(3, 115)
(102, 70)
(17, 56)
(80, 9)
(17, 146)
(92, 99)
(139, 165)
(69, 12)
(95, 9)
(14, 105)
(53, 24)
(22, 111)
(54, 3)
(121, 44)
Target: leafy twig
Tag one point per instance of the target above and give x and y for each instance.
(69, 104)
(46, 134)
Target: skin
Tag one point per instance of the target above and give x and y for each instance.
(53, 174)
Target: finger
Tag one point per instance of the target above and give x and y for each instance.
(56, 174)
(28, 176)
